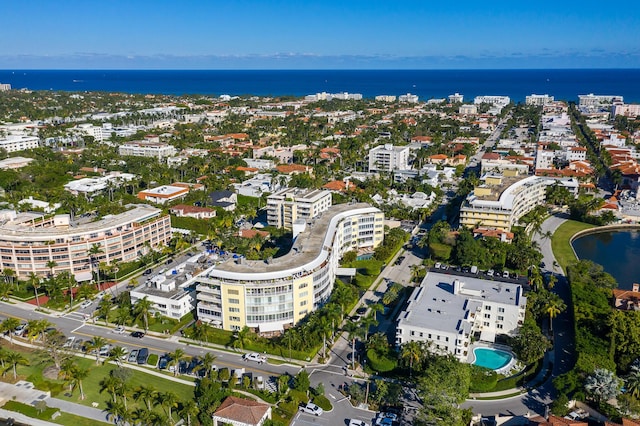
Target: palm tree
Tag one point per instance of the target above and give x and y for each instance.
(554, 306)
(110, 384)
(78, 374)
(144, 416)
(37, 328)
(146, 394)
(324, 327)
(354, 331)
(5, 291)
(413, 352)
(9, 274)
(104, 307)
(34, 280)
(95, 344)
(117, 410)
(8, 325)
(291, 337)
(142, 309)
(51, 264)
(207, 363)
(95, 250)
(242, 337)
(176, 356)
(375, 309)
(187, 409)
(117, 354)
(168, 400)
(14, 359)
(632, 381)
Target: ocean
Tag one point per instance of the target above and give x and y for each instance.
(427, 84)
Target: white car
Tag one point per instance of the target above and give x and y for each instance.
(69, 342)
(20, 330)
(85, 304)
(119, 329)
(255, 357)
(357, 422)
(311, 409)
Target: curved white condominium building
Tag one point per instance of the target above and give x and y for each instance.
(502, 201)
(271, 295)
(28, 242)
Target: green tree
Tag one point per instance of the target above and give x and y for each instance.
(142, 309)
(188, 409)
(412, 352)
(602, 385)
(94, 252)
(146, 394)
(301, 382)
(13, 359)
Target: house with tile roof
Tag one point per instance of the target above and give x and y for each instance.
(241, 412)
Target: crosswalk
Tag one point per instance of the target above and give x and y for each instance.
(77, 316)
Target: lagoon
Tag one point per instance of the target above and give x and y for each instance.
(618, 252)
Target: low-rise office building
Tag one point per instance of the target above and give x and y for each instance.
(502, 200)
(271, 295)
(448, 311)
(14, 143)
(147, 149)
(28, 241)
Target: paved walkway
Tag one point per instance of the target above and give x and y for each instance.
(21, 418)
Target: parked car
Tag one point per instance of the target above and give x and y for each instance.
(133, 356)
(254, 357)
(147, 272)
(357, 422)
(437, 265)
(143, 354)
(119, 329)
(163, 362)
(505, 274)
(69, 342)
(85, 304)
(361, 310)
(20, 330)
(78, 345)
(311, 409)
(137, 334)
(105, 350)
(490, 272)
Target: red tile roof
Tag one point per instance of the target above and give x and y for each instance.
(242, 410)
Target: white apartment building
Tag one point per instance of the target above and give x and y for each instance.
(14, 143)
(576, 153)
(147, 149)
(448, 311)
(592, 100)
(501, 201)
(544, 159)
(258, 185)
(492, 100)
(385, 98)
(92, 186)
(28, 241)
(98, 133)
(387, 157)
(628, 110)
(5, 87)
(456, 98)
(289, 205)
(409, 98)
(172, 290)
(538, 100)
(468, 109)
(270, 296)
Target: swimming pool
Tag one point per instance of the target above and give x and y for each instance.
(491, 358)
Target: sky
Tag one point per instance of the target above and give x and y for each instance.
(326, 34)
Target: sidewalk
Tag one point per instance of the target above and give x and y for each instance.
(79, 410)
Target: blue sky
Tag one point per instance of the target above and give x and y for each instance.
(336, 34)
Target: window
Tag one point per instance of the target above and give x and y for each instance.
(486, 324)
(234, 301)
(487, 316)
(236, 310)
(303, 303)
(233, 292)
(500, 309)
(500, 318)
(236, 319)
(487, 308)
(413, 333)
(499, 326)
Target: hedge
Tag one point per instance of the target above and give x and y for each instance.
(380, 364)
(322, 402)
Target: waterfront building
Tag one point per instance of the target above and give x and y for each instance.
(450, 311)
(539, 100)
(28, 240)
(385, 98)
(14, 143)
(592, 100)
(5, 87)
(628, 110)
(502, 200)
(456, 98)
(269, 296)
(409, 98)
(468, 109)
(492, 100)
(387, 157)
(289, 205)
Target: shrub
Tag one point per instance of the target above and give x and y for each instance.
(440, 251)
(380, 363)
(298, 396)
(322, 402)
(152, 360)
(482, 379)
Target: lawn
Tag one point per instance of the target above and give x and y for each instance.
(62, 419)
(560, 242)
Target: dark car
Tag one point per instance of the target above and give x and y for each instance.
(361, 311)
(169, 261)
(137, 334)
(163, 362)
(147, 272)
(143, 354)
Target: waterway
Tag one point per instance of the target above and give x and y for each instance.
(618, 252)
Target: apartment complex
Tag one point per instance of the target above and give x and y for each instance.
(28, 241)
(163, 194)
(272, 295)
(387, 157)
(147, 149)
(502, 200)
(448, 311)
(539, 100)
(289, 205)
(14, 143)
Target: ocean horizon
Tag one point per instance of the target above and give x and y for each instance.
(565, 84)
